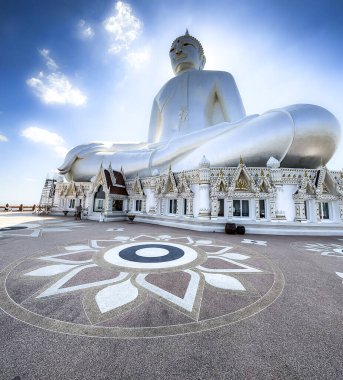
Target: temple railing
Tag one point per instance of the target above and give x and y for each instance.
(21, 207)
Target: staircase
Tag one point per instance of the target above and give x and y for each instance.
(47, 196)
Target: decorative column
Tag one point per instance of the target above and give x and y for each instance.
(257, 208)
(272, 209)
(276, 204)
(153, 208)
(158, 207)
(143, 209)
(340, 205)
(214, 207)
(132, 204)
(107, 205)
(317, 211)
(163, 206)
(189, 208)
(300, 214)
(230, 208)
(204, 189)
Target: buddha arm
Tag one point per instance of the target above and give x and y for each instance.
(155, 123)
(229, 97)
(186, 143)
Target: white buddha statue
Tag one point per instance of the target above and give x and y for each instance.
(200, 113)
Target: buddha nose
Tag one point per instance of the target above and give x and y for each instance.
(178, 51)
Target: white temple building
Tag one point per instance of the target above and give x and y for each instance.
(265, 200)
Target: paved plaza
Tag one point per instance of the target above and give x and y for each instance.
(120, 300)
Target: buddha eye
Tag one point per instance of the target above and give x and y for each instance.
(171, 50)
(186, 44)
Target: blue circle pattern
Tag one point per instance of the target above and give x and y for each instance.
(130, 254)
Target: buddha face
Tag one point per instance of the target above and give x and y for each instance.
(185, 55)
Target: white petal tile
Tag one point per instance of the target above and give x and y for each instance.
(187, 302)
(122, 238)
(116, 295)
(203, 242)
(51, 270)
(77, 247)
(239, 267)
(164, 236)
(58, 286)
(223, 281)
(235, 256)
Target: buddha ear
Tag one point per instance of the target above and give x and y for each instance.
(202, 62)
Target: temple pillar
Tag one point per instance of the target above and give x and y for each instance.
(204, 189)
(340, 205)
(163, 206)
(189, 208)
(257, 209)
(132, 205)
(317, 211)
(272, 205)
(300, 214)
(214, 207)
(107, 205)
(158, 205)
(230, 208)
(204, 201)
(153, 203)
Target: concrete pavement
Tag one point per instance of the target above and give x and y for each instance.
(90, 300)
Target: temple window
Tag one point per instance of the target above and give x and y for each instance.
(240, 207)
(98, 205)
(117, 205)
(138, 205)
(172, 206)
(72, 203)
(324, 210)
(262, 204)
(99, 198)
(184, 206)
(220, 207)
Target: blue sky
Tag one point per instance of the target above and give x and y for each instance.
(78, 71)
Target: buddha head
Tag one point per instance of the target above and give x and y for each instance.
(186, 53)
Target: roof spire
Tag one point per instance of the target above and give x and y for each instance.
(241, 160)
(187, 33)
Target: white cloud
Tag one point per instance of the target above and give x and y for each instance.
(51, 64)
(43, 136)
(136, 58)
(123, 26)
(55, 88)
(3, 138)
(86, 30)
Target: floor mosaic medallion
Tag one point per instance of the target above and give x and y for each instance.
(140, 286)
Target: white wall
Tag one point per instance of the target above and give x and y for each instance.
(150, 199)
(196, 204)
(285, 202)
